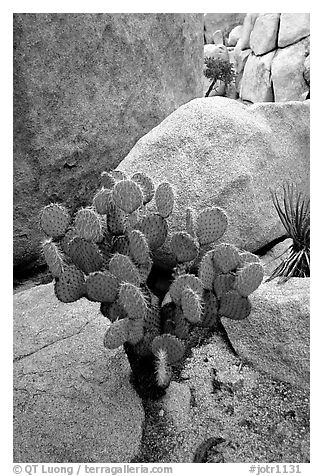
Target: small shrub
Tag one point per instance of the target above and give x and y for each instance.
(217, 69)
(295, 216)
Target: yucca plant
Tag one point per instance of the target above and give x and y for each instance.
(294, 214)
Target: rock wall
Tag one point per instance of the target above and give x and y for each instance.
(86, 88)
(272, 57)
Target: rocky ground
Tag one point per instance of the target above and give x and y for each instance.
(74, 401)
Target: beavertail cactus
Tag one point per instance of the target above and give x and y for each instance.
(211, 224)
(88, 225)
(105, 253)
(164, 198)
(127, 195)
(53, 257)
(54, 220)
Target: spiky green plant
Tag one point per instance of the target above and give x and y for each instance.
(294, 214)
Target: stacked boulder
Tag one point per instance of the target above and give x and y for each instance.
(272, 57)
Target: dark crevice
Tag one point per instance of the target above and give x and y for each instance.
(295, 43)
(264, 249)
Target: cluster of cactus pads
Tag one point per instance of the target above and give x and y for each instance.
(104, 253)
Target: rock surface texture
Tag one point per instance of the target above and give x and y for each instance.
(219, 152)
(287, 72)
(275, 337)
(73, 401)
(234, 414)
(263, 37)
(256, 84)
(86, 88)
(293, 27)
(284, 39)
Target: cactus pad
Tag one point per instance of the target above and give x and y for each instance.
(182, 327)
(143, 347)
(172, 345)
(54, 220)
(116, 220)
(53, 258)
(85, 255)
(155, 229)
(133, 301)
(191, 305)
(226, 257)
(210, 316)
(222, 284)
(138, 247)
(107, 180)
(206, 270)
(211, 224)
(163, 369)
(135, 331)
(152, 319)
(182, 282)
(127, 195)
(117, 334)
(66, 240)
(113, 311)
(70, 286)
(234, 306)
(101, 200)
(88, 225)
(146, 184)
(144, 270)
(124, 269)
(249, 278)
(184, 246)
(120, 244)
(164, 198)
(102, 286)
(132, 220)
(247, 257)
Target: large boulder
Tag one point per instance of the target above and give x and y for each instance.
(256, 84)
(247, 27)
(288, 72)
(234, 35)
(263, 37)
(220, 152)
(239, 60)
(293, 27)
(73, 401)
(86, 88)
(218, 51)
(217, 37)
(275, 337)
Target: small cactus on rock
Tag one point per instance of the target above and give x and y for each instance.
(105, 254)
